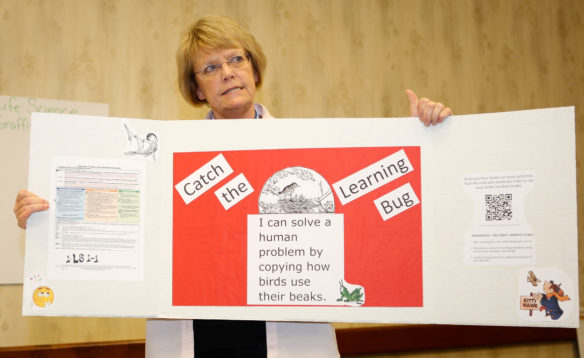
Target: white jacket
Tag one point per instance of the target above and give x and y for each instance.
(175, 339)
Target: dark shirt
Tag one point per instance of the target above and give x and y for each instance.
(221, 338)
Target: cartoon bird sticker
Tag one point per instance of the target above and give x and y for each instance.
(43, 296)
(532, 279)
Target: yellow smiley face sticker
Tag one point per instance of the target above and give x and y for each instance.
(43, 296)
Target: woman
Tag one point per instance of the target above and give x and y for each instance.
(220, 64)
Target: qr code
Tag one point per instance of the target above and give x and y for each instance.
(498, 207)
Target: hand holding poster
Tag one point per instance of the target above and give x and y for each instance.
(14, 143)
(380, 221)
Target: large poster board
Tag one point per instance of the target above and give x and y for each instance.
(14, 143)
(365, 220)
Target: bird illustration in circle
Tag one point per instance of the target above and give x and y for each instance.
(288, 190)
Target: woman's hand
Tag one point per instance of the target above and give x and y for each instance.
(27, 203)
(429, 112)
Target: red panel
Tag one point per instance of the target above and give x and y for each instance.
(210, 243)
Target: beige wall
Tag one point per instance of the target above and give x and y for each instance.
(326, 58)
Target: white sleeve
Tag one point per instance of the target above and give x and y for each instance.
(169, 339)
(306, 340)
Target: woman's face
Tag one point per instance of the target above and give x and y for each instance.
(230, 90)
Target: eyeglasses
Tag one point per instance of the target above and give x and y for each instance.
(235, 62)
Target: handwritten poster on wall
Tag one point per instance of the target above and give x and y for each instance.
(14, 144)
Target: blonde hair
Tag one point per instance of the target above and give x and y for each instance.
(208, 33)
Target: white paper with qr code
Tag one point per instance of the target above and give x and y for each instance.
(500, 233)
